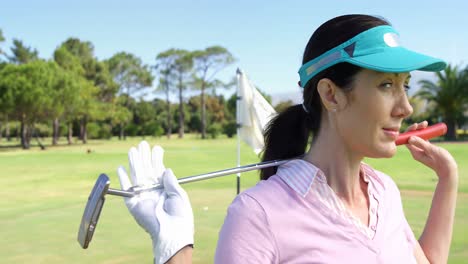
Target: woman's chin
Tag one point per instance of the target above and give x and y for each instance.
(385, 151)
(389, 150)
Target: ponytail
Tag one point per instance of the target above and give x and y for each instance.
(287, 135)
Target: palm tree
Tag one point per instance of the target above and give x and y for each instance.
(449, 95)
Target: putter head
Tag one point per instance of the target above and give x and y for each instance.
(93, 210)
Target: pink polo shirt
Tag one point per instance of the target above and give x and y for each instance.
(295, 217)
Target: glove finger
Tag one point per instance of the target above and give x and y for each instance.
(172, 186)
(146, 166)
(135, 166)
(125, 183)
(158, 165)
(177, 202)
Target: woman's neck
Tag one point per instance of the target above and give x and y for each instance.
(340, 166)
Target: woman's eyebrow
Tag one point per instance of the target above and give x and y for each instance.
(397, 74)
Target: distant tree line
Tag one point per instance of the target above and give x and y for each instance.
(75, 94)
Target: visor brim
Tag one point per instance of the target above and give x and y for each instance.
(398, 60)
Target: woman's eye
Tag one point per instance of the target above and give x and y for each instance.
(407, 87)
(386, 85)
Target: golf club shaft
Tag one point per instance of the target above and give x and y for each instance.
(200, 177)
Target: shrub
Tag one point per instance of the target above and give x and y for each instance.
(230, 129)
(93, 130)
(105, 132)
(195, 124)
(131, 130)
(152, 129)
(214, 130)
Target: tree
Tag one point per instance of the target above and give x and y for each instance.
(68, 61)
(93, 70)
(108, 89)
(24, 94)
(89, 108)
(163, 110)
(68, 101)
(449, 94)
(66, 92)
(182, 64)
(207, 63)
(164, 85)
(84, 52)
(98, 91)
(120, 114)
(143, 113)
(165, 63)
(145, 117)
(21, 53)
(130, 74)
(231, 106)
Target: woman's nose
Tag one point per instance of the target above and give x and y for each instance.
(403, 108)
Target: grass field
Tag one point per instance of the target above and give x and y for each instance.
(44, 194)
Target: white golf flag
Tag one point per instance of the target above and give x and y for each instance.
(254, 112)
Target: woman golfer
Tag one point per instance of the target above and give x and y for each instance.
(329, 206)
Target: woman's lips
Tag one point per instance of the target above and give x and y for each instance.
(391, 132)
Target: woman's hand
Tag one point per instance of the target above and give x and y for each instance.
(166, 214)
(436, 237)
(434, 157)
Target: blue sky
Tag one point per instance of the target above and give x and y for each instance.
(266, 37)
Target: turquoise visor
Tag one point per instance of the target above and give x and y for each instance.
(376, 49)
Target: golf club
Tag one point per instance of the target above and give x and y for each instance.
(101, 187)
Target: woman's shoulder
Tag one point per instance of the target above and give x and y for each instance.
(261, 196)
(250, 207)
(265, 187)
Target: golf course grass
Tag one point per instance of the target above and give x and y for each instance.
(44, 194)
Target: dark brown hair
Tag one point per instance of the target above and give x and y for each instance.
(286, 135)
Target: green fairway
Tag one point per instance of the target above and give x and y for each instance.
(44, 194)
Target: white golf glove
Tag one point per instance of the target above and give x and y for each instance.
(166, 214)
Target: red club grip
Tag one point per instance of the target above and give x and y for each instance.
(429, 132)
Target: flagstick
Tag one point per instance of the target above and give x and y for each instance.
(238, 73)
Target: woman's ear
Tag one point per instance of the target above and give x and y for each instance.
(331, 95)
